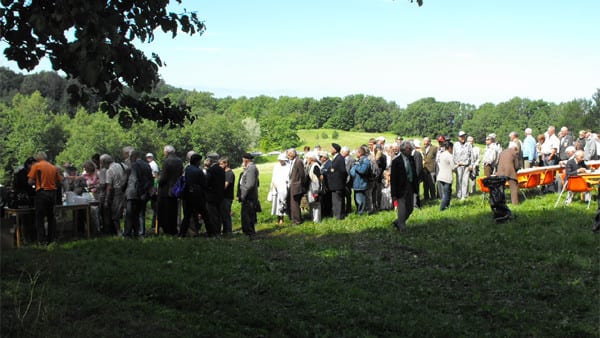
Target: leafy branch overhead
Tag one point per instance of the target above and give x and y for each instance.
(92, 41)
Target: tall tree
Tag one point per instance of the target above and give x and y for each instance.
(93, 41)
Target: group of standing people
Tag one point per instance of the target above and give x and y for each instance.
(326, 181)
(207, 193)
(375, 176)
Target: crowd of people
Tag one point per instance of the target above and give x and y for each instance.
(321, 183)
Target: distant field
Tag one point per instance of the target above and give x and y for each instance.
(352, 139)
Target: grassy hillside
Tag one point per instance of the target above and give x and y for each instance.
(455, 273)
(352, 139)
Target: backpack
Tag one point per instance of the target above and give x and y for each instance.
(179, 187)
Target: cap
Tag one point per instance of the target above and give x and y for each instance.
(417, 143)
(247, 156)
(212, 156)
(461, 133)
(336, 147)
(282, 157)
(149, 155)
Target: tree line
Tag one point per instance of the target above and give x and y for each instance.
(35, 114)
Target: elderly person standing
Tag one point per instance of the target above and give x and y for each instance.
(566, 140)
(550, 147)
(591, 146)
(297, 178)
(490, 156)
(314, 186)
(360, 175)
(429, 154)
(508, 164)
(349, 161)
(462, 159)
(278, 191)
(529, 149)
(114, 202)
(139, 182)
(336, 182)
(403, 184)
(444, 177)
(167, 203)
(474, 167)
(248, 195)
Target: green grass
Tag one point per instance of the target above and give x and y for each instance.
(352, 139)
(455, 273)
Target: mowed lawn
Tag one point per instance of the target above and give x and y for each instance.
(455, 273)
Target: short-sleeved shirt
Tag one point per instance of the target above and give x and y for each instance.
(229, 177)
(115, 175)
(48, 177)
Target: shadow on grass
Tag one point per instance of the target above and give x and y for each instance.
(454, 273)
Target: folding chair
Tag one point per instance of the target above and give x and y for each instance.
(575, 184)
(484, 190)
(547, 178)
(532, 181)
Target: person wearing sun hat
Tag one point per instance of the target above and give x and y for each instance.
(462, 154)
(278, 190)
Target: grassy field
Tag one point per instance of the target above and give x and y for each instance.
(455, 273)
(312, 137)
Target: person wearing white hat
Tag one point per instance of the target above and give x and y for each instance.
(279, 186)
(153, 164)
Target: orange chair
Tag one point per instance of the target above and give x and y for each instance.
(532, 181)
(575, 184)
(484, 190)
(547, 178)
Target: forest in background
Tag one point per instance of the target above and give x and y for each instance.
(35, 114)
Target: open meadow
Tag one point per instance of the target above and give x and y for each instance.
(455, 273)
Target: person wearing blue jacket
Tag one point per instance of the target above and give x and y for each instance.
(360, 172)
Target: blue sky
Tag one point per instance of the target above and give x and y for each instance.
(473, 51)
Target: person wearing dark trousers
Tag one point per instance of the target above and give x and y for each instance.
(167, 203)
(228, 196)
(296, 189)
(193, 196)
(247, 194)
(215, 196)
(139, 182)
(46, 178)
(403, 181)
(349, 161)
(429, 166)
(24, 198)
(326, 196)
(336, 181)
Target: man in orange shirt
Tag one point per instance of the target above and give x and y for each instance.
(46, 178)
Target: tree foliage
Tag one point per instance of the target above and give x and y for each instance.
(28, 128)
(92, 41)
(231, 126)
